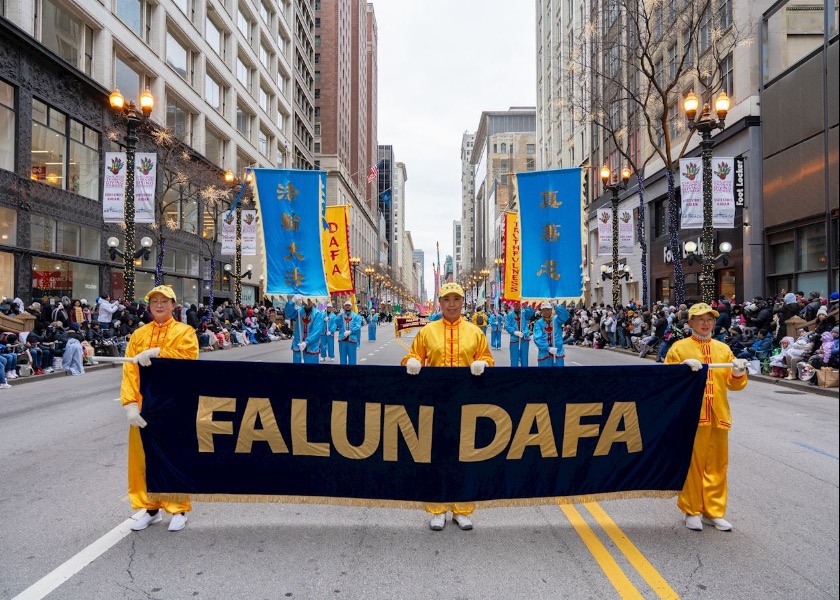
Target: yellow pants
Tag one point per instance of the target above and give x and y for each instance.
(458, 508)
(704, 491)
(137, 479)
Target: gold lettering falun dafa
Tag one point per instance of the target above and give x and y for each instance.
(385, 423)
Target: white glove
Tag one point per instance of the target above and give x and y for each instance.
(302, 346)
(739, 367)
(346, 333)
(552, 350)
(518, 334)
(477, 367)
(144, 359)
(413, 366)
(132, 413)
(695, 364)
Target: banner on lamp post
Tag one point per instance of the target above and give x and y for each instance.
(249, 233)
(145, 184)
(626, 229)
(113, 191)
(723, 193)
(229, 234)
(605, 236)
(335, 246)
(512, 279)
(691, 190)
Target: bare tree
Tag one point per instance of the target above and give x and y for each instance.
(639, 60)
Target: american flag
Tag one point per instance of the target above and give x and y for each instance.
(373, 173)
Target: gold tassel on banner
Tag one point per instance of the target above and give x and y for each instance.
(408, 504)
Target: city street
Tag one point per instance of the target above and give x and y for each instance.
(63, 444)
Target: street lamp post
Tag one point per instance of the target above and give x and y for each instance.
(133, 119)
(614, 188)
(485, 273)
(706, 125)
(354, 264)
(230, 178)
(233, 271)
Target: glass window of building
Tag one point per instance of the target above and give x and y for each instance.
(84, 161)
(213, 92)
(179, 119)
(56, 278)
(7, 126)
(265, 13)
(263, 144)
(126, 79)
(178, 57)
(265, 56)
(41, 234)
(187, 7)
(48, 144)
(243, 23)
(243, 121)
(264, 100)
(214, 36)
(811, 248)
(130, 12)
(189, 215)
(242, 72)
(67, 238)
(214, 147)
(89, 243)
(65, 34)
(8, 226)
(7, 275)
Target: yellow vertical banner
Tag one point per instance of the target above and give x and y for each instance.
(513, 258)
(335, 242)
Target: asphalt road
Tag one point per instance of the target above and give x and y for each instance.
(65, 517)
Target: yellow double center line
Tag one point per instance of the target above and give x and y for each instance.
(609, 566)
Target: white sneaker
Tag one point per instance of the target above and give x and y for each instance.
(146, 520)
(693, 522)
(5, 386)
(49, 370)
(437, 522)
(463, 521)
(178, 522)
(719, 524)
(11, 375)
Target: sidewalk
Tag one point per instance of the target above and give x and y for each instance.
(795, 384)
(55, 374)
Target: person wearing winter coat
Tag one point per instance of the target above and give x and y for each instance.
(106, 309)
(798, 352)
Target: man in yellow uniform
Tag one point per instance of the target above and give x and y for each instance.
(164, 337)
(449, 342)
(703, 497)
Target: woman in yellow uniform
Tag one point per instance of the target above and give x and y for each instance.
(703, 497)
(164, 337)
(449, 342)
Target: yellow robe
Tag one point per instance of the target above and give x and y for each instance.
(175, 340)
(705, 488)
(444, 344)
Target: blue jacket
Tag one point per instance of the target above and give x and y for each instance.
(353, 323)
(541, 334)
(495, 321)
(330, 323)
(526, 314)
(310, 332)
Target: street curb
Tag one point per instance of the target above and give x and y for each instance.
(801, 386)
(57, 374)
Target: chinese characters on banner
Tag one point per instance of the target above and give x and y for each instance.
(292, 208)
(551, 226)
(723, 193)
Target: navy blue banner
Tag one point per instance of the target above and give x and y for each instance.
(374, 435)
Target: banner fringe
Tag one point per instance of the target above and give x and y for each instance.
(407, 504)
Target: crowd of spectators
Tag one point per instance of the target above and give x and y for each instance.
(754, 330)
(68, 334)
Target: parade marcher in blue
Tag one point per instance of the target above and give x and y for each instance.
(496, 321)
(516, 324)
(373, 321)
(349, 333)
(548, 336)
(328, 335)
(307, 324)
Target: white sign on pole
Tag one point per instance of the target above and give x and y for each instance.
(625, 232)
(605, 232)
(229, 233)
(249, 233)
(113, 193)
(145, 182)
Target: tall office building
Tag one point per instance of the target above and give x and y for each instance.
(232, 81)
(466, 226)
(420, 258)
(345, 114)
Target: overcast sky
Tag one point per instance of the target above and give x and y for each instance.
(441, 63)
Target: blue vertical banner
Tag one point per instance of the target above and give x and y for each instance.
(293, 206)
(551, 225)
